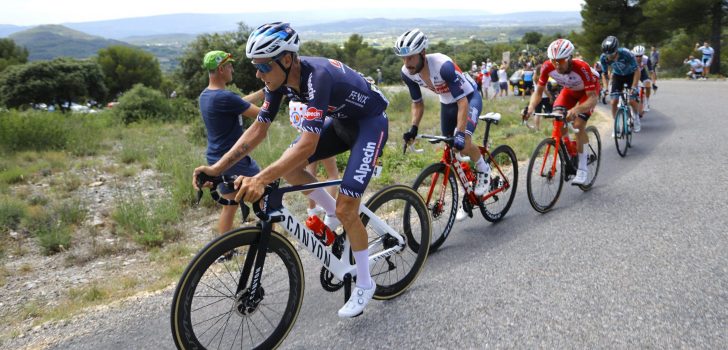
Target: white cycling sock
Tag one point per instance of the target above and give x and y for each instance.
(582, 159)
(324, 200)
(363, 277)
(482, 166)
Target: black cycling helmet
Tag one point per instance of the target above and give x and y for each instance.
(610, 45)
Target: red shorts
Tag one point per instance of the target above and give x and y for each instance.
(569, 98)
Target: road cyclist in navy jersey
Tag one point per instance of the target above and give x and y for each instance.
(460, 101)
(222, 112)
(620, 64)
(344, 112)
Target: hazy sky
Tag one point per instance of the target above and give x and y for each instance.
(31, 12)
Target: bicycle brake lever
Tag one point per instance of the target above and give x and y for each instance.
(415, 150)
(199, 196)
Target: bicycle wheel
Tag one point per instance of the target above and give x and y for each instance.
(543, 184)
(405, 212)
(629, 125)
(441, 198)
(594, 154)
(208, 313)
(503, 177)
(620, 132)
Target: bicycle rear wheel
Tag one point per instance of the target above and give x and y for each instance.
(405, 212)
(208, 313)
(544, 180)
(503, 178)
(441, 198)
(620, 132)
(629, 125)
(594, 153)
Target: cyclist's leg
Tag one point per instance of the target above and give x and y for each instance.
(368, 143)
(615, 89)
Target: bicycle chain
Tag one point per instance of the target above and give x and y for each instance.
(329, 282)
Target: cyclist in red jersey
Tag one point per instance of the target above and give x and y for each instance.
(578, 98)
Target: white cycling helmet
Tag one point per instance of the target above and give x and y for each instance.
(270, 40)
(638, 50)
(410, 43)
(560, 48)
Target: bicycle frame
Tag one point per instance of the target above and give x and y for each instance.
(275, 212)
(559, 147)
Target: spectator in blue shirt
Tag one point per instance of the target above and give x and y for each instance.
(223, 112)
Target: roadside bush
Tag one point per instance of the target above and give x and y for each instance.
(80, 134)
(12, 211)
(143, 103)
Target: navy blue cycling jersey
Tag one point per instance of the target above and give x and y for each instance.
(330, 89)
(625, 64)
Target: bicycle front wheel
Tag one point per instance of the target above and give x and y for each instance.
(545, 176)
(441, 198)
(503, 180)
(402, 209)
(209, 313)
(621, 129)
(594, 153)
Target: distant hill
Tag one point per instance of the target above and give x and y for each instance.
(50, 41)
(7, 29)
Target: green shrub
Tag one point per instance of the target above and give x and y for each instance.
(143, 103)
(53, 235)
(148, 223)
(81, 134)
(12, 175)
(12, 211)
(184, 109)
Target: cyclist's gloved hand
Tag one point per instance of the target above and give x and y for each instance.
(635, 91)
(410, 135)
(459, 141)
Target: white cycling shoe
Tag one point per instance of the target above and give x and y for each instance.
(580, 178)
(315, 211)
(461, 214)
(482, 183)
(358, 300)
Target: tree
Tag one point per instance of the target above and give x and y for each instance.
(601, 18)
(52, 82)
(192, 78)
(531, 38)
(11, 54)
(124, 66)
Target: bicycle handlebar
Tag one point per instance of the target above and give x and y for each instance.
(202, 178)
(558, 117)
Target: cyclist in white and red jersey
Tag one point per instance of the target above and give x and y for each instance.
(578, 98)
(644, 67)
(460, 102)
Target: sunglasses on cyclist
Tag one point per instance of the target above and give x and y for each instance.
(265, 67)
(558, 62)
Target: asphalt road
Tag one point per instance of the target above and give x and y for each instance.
(640, 261)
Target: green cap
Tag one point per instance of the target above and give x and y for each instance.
(214, 59)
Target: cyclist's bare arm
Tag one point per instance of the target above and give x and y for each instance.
(635, 79)
(462, 114)
(605, 77)
(588, 105)
(255, 97)
(293, 158)
(535, 98)
(418, 110)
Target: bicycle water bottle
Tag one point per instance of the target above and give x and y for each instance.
(322, 232)
(571, 147)
(468, 173)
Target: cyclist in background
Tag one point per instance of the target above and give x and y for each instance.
(578, 98)
(644, 67)
(655, 60)
(696, 67)
(460, 102)
(707, 60)
(528, 74)
(356, 122)
(623, 67)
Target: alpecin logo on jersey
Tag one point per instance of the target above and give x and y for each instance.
(309, 86)
(313, 114)
(335, 63)
(442, 89)
(265, 106)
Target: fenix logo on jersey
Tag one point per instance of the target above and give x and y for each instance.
(313, 114)
(309, 86)
(357, 98)
(366, 162)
